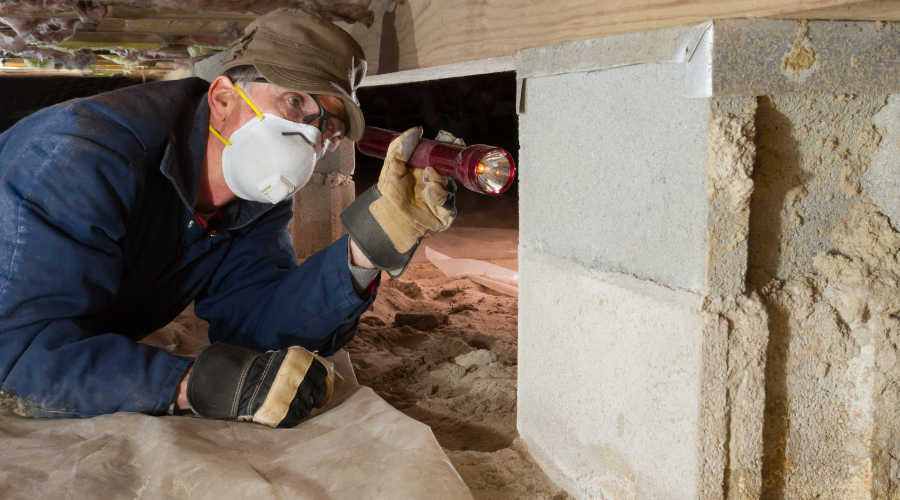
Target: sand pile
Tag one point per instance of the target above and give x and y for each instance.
(456, 373)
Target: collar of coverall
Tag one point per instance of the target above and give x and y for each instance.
(182, 164)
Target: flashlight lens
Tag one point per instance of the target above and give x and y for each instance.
(493, 171)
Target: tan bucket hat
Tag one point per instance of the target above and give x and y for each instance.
(303, 52)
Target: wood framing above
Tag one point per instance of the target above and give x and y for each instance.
(426, 33)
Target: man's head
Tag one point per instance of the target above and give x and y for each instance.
(302, 53)
(290, 81)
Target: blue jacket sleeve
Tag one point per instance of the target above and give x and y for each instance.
(261, 299)
(65, 202)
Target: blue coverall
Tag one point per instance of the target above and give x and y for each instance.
(98, 248)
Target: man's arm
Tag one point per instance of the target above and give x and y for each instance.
(259, 298)
(66, 201)
(357, 258)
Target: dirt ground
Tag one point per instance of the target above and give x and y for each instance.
(459, 378)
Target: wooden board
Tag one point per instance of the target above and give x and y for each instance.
(126, 12)
(468, 68)
(159, 26)
(427, 33)
(872, 10)
(128, 38)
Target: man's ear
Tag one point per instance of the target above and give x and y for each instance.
(221, 98)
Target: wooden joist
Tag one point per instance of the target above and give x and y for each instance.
(118, 30)
(162, 27)
(427, 33)
(134, 13)
(17, 67)
(107, 38)
(872, 10)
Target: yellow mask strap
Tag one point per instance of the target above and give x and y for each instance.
(224, 140)
(254, 108)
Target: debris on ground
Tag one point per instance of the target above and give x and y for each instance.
(444, 352)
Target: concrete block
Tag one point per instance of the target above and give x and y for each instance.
(610, 380)
(620, 157)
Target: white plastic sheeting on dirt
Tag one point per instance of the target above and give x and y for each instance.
(361, 447)
(490, 275)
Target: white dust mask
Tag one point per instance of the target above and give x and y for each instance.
(269, 158)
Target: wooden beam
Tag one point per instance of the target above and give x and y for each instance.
(127, 12)
(872, 10)
(456, 70)
(427, 33)
(160, 27)
(21, 70)
(127, 38)
(119, 30)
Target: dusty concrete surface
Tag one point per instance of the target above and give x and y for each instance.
(791, 377)
(824, 259)
(663, 397)
(616, 145)
(794, 366)
(609, 398)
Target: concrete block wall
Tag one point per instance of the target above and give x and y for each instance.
(708, 262)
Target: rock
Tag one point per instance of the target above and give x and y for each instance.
(421, 320)
(449, 292)
(371, 320)
(409, 288)
(477, 358)
(448, 347)
(460, 308)
(446, 377)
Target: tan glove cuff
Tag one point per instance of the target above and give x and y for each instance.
(371, 238)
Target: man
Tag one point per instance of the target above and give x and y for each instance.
(121, 209)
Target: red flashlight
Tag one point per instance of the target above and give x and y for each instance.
(483, 169)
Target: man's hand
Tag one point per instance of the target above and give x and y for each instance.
(275, 388)
(388, 221)
(413, 201)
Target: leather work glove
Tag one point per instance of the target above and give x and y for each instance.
(389, 220)
(275, 388)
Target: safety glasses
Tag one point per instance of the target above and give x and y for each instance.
(306, 108)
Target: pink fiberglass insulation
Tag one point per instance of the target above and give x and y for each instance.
(88, 12)
(16, 46)
(36, 30)
(34, 23)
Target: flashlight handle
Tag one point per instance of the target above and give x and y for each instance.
(428, 153)
(457, 162)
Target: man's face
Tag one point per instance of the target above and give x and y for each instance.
(324, 112)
